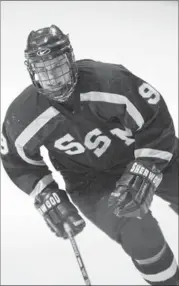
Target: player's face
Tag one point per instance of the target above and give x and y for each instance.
(53, 73)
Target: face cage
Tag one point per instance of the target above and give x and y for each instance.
(58, 92)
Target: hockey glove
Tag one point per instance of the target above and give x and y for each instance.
(134, 190)
(56, 209)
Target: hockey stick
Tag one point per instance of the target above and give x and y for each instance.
(77, 254)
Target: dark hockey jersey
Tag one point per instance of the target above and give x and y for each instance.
(117, 117)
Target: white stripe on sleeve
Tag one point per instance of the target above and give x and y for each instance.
(31, 130)
(41, 185)
(116, 99)
(154, 153)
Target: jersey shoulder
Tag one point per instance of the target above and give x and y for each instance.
(25, 108)
(104, 77)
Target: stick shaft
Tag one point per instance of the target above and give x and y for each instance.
(77, 254)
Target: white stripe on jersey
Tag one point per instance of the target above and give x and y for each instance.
(116, 99)
(153, 258)
(163, 275)
(41, 185)
(154, 153)
(31, 130)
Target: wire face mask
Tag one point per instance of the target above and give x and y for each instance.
(51, 64)
(54, 76)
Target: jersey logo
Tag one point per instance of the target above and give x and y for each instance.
(94, 140)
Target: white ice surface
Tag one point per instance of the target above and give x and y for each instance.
(143, 36)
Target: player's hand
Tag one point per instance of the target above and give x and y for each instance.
(134, 190)
(56, 210)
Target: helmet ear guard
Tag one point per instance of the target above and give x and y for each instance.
(51, 64)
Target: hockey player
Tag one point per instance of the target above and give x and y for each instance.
(112, 138)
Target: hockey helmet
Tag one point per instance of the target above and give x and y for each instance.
(51, 63)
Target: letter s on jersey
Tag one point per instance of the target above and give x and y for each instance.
(4, 146)
(72, 148)
(147, 91)
(94, 144)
